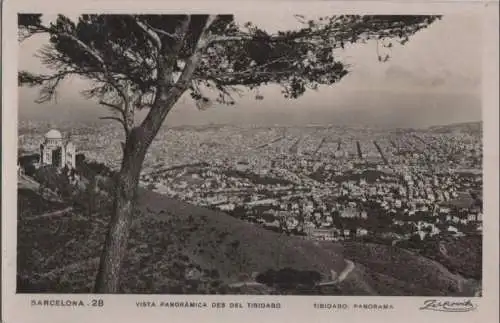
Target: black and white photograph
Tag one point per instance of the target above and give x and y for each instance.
(250, 154)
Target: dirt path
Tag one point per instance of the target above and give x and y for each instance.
(338, 278)
(68, 269)
(246, 284)
(50, 214)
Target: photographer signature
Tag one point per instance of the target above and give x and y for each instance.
(448, 306)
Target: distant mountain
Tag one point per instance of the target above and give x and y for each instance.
(468, 127)
(367, 108)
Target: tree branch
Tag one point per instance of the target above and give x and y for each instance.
(94, 54)
(111, 105)
(150, 33)
(164, 101)
(86, 48)
(153, 32)
(120, 110)
(165, 33)
(192, 61)
(121, 121)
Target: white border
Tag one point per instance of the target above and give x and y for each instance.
(122, 308)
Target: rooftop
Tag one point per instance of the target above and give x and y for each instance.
(53, 134)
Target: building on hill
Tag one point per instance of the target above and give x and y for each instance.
(325, 234)
(57, 150)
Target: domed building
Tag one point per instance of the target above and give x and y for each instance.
(57, 151)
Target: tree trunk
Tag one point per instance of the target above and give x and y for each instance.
(136, 145)
(115, 247)
(127, 181)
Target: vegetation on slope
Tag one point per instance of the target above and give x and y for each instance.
(179, 248)
(174, 248)
(396, 271)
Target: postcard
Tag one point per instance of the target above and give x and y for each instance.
(218, 161)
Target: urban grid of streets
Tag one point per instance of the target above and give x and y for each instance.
(325, 183)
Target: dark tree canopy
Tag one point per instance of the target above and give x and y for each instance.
(119, 51)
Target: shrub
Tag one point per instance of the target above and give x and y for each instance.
(214, 273)
(51, 178)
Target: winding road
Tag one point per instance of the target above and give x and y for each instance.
(335, 277)
(338, 278)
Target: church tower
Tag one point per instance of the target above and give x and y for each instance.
(56, 151)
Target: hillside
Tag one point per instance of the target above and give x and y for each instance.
(171, 240)
(168, 238)
(396, 271)
(468, 127)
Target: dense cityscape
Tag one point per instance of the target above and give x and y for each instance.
(319, 182)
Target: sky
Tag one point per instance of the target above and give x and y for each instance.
(434, 79)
